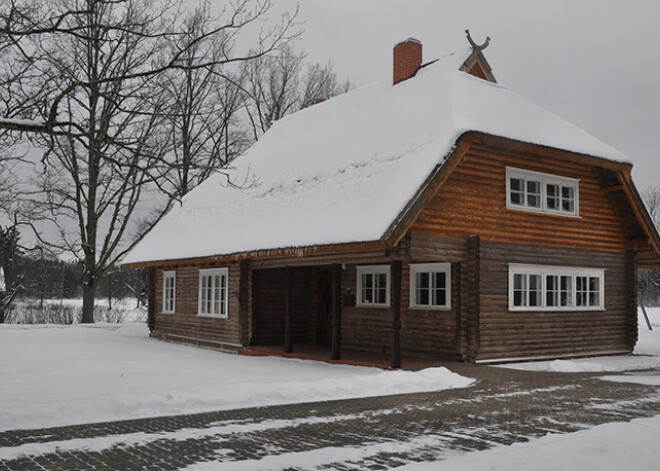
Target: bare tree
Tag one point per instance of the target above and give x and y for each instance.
(649, 280)
(280, 84)
(85, 76)
(203, 126)
(651, 197)
(11, 282)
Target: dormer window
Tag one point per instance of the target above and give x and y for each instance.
(542, 192)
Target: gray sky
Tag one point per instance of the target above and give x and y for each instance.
(591, 62)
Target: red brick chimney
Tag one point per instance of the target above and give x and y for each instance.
(407, 59)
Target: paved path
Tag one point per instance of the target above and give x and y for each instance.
(504, 407)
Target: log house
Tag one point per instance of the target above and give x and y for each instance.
(519, 236)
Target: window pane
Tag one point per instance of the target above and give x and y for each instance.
(566, 295)
(533, 194)
(568, 199)
(422, 280)
(439, 297)
(551, 290)
(519, 288)
(367, 288)
(381, 295)
(439, 280)
(594, 291)
(580, 290)
(552, 199)
(534, 290)
(422, 288)
(381, 280)
(517, 192)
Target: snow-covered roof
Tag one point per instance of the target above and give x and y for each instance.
(341, 171)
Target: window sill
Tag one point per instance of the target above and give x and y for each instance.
(213, 316)
(429, 308)
(540, 212)
(376, 306)
(545, 309)
(168, 313)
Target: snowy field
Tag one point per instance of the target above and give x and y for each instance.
(59, 375)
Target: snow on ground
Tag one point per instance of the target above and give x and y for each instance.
(608, 447)
(647, 355)
(58, 375)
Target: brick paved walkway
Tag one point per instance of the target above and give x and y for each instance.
(505, 406)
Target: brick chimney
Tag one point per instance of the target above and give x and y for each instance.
(407, 59)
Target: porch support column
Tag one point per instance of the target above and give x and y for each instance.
(151, 299)
(336, 312)
(288, 286)
(396, 321)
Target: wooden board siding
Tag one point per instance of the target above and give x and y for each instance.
(185, 324)
(473, 201)
(505, 334)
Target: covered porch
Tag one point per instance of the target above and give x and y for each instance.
(297, 311)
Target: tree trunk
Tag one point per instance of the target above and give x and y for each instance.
(89, 294)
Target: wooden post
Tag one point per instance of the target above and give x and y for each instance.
(151, 299)
(243, 302)
(396, 322)
(336, 312)
(288, 283)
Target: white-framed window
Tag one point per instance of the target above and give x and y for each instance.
(542, 192)
(213, 290)
(169, 292)
(373, 285)
(553, 288)
(430, 285)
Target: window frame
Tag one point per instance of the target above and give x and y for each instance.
(545, 179)
(373, 270)
(167, 275)
(551, 270)
(432, 267)
(212, 272)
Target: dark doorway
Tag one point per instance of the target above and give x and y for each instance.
(324, 307)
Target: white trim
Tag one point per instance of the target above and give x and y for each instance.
(373, 270)
(543, 271)
(212, 272)
(169, 274)
(438, 267)
(545, 179)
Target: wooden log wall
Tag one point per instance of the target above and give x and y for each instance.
(185, 322)
(473, 201)
(505, 334)
(424, 332)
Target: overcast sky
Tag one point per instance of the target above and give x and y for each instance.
(591, 62)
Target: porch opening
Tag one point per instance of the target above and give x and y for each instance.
(311, 307)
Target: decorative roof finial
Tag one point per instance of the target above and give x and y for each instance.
(475, 46)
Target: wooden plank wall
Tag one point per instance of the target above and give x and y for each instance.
(473, 201)
(185, 322)
(504, 334)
